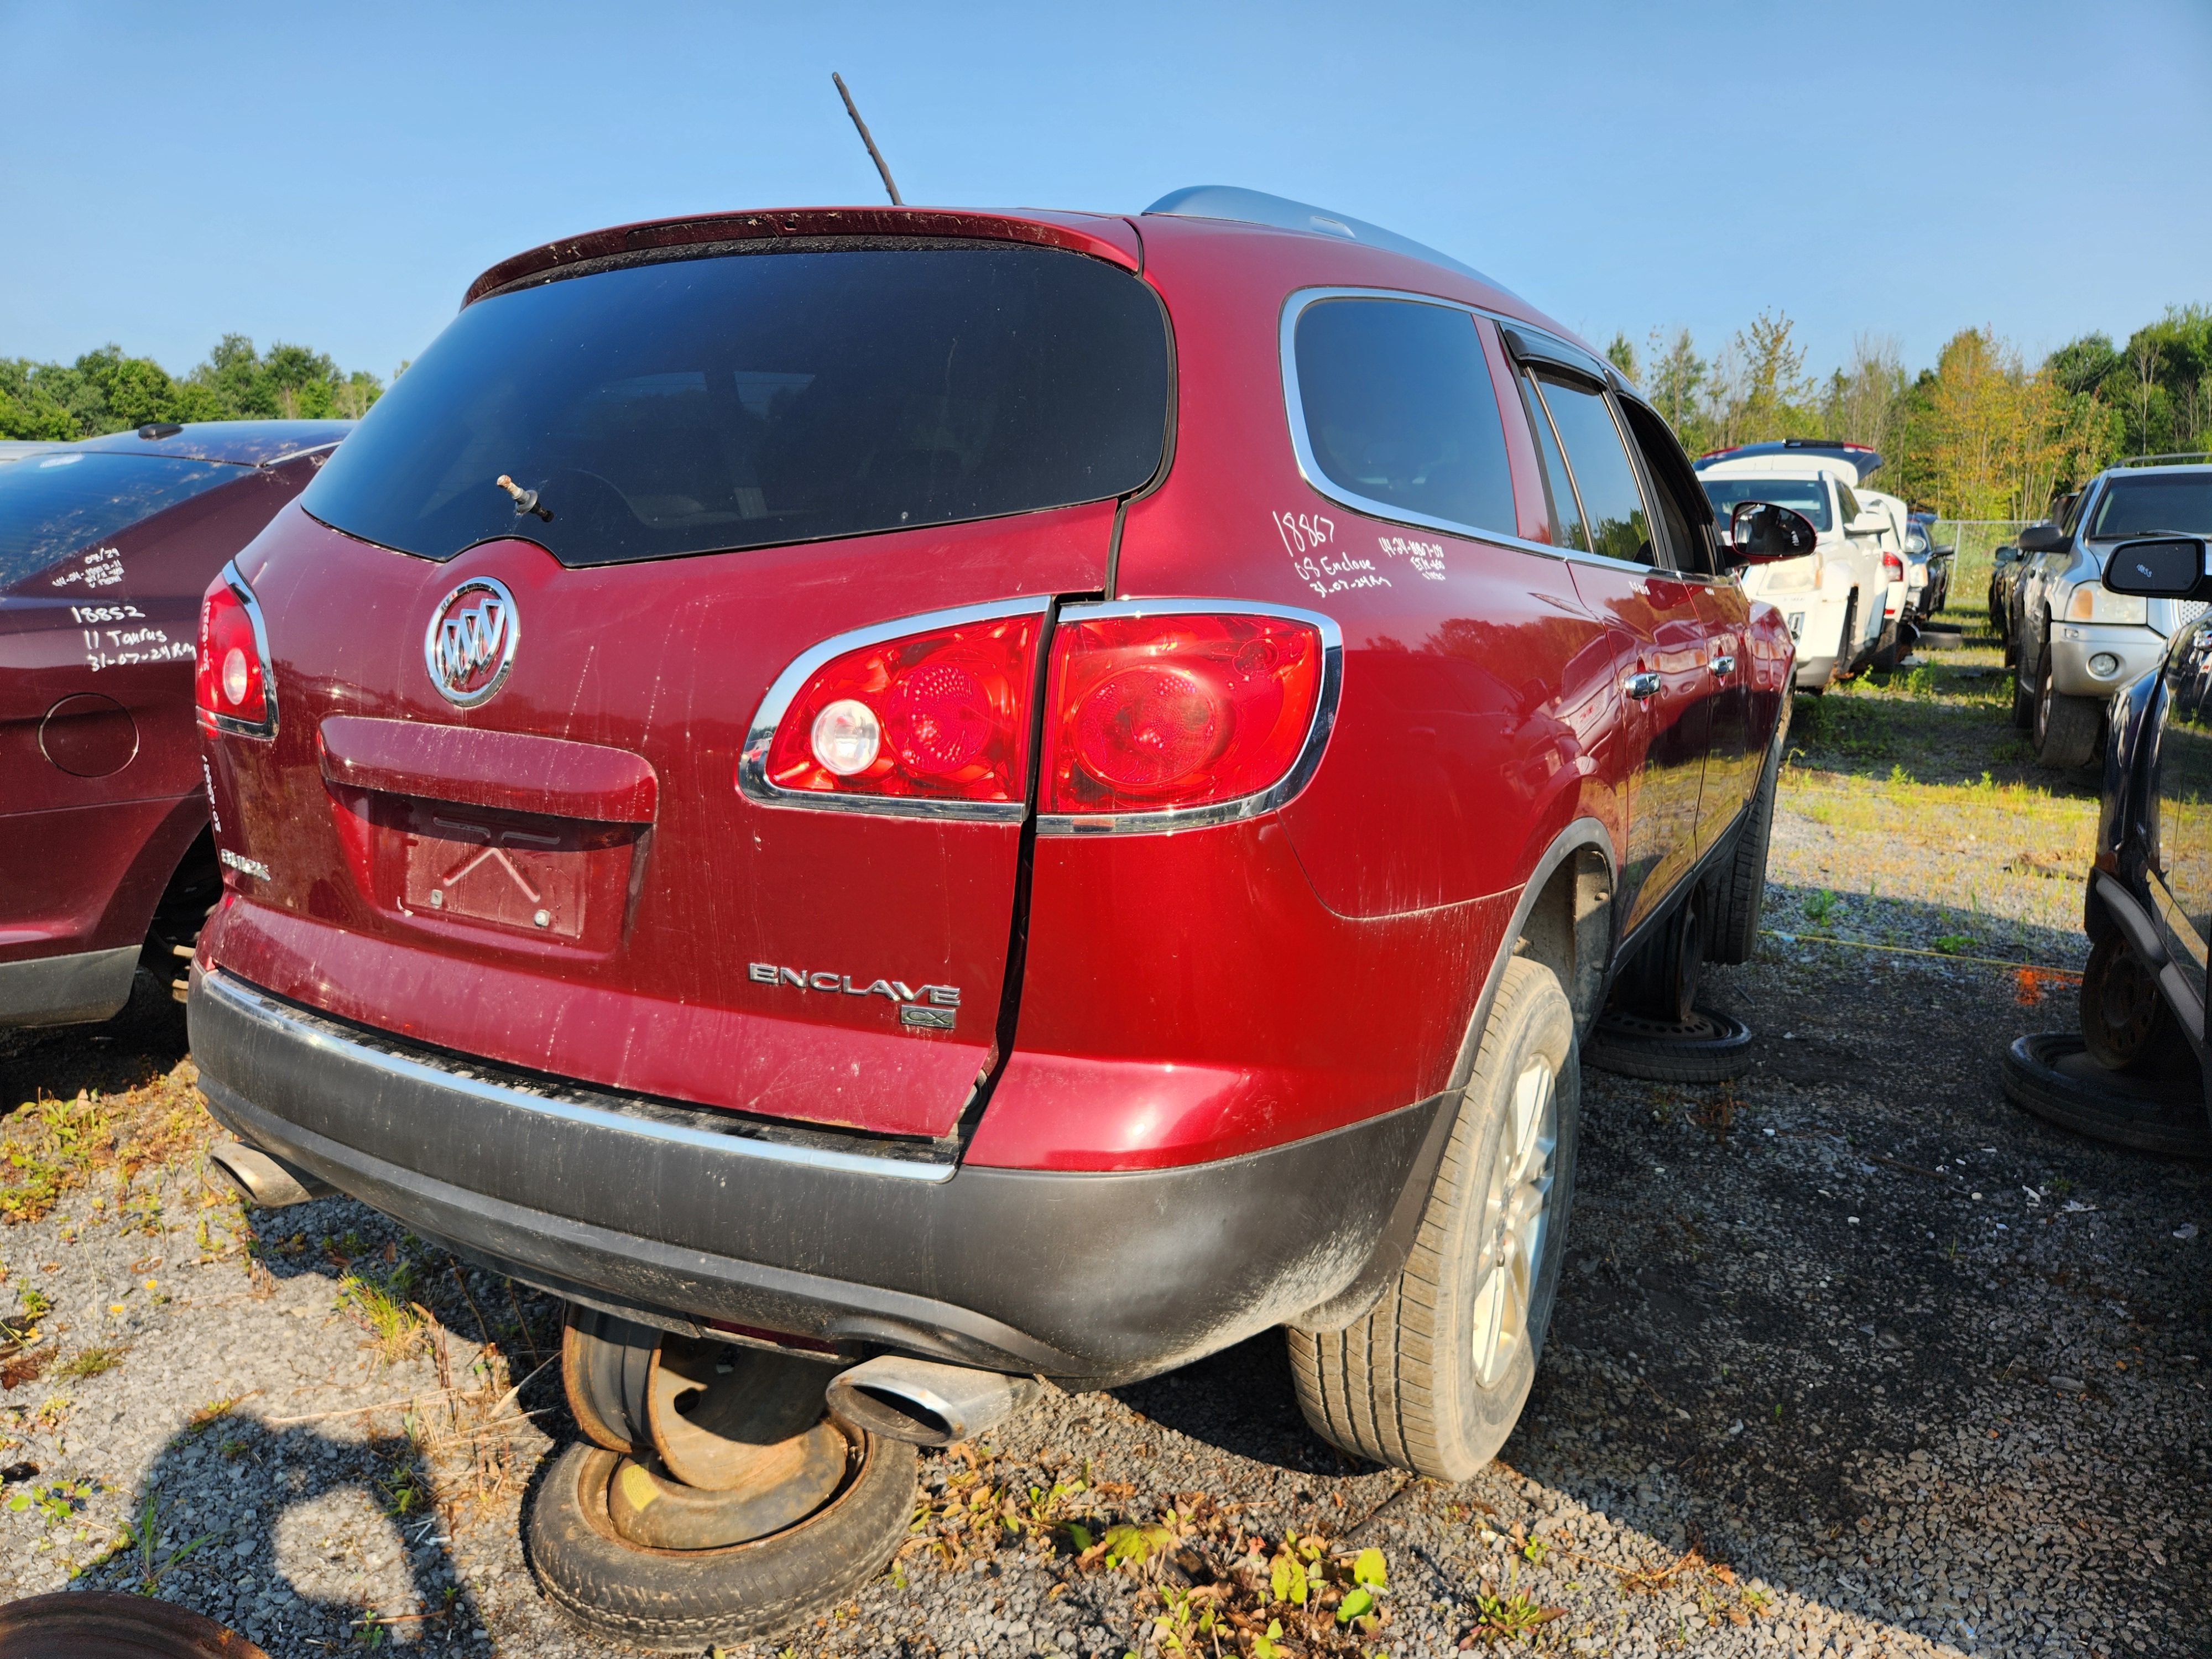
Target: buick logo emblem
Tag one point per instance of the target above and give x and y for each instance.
(471, 644)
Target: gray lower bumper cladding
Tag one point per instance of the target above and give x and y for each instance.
(690, 1214)
(72, 990)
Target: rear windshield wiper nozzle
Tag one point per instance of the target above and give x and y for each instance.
(526, 500)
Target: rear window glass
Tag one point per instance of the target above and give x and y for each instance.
(57, 504)
(1399, 411)
(1605, 480)
(1807, 495)
(749, 399)
(2180, 505)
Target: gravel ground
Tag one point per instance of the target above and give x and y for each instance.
(1850, 1357)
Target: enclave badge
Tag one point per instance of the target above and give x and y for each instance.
(471, 643)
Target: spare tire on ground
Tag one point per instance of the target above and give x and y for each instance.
(1709, 1046)
(2051, 1074)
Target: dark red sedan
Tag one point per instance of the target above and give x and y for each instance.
(106, 547)
(893, 800)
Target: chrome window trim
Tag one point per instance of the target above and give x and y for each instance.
(1167, 821)
(1310, 469)
(316, 1034)
(752, 762)
(264, 731)
(1294, 406)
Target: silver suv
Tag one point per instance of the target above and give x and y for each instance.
(2078, 641)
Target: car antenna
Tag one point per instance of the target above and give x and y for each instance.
(526, 500)
(874, 154)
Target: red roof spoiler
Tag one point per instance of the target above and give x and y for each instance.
(1102, 237)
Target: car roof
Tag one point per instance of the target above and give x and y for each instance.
(1777, 466)
(1256, 207)
(1119, 239)
(241, 443)
(1863, 461)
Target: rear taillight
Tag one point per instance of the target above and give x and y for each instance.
(1893, 567)
(1193, 712)
(927, 717)
(1157, 715)
(230, 677)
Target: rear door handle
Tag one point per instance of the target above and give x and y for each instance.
(1723, 666)
(1641, 685)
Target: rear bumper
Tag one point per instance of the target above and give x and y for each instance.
(686, 1215)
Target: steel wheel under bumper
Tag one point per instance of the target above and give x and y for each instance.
(1709, 1046)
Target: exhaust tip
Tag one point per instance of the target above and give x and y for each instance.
(923, 1403)
(266, 1182)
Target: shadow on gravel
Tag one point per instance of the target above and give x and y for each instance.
(245, 1522)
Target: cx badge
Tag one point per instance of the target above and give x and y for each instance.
(469, 647)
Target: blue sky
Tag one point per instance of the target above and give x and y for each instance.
(335, 176)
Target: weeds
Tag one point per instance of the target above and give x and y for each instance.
(143, 1537)
(50, 1147)
(384, 1310)
(1819, 906)
(93, 1362)
(59, 1502)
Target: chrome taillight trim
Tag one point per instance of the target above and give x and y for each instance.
(752, 765)
(1167, 820)
(263, 729)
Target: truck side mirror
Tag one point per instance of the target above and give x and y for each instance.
(1764, 532)
(2164, 567)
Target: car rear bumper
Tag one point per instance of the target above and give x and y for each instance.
(689, 1215)
(2076, 648)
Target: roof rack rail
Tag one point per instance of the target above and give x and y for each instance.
(2174, 455)
(1256, 207)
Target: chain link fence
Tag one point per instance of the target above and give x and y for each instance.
(1977, 541)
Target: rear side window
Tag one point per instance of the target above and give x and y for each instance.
(1395, 401)
(754, 399)
(1604, 479)
(54, 505)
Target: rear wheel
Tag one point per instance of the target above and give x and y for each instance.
(1739, 888)
(1886, 651)
(2127, 1026)
(2066, 728)
(1433, 1378)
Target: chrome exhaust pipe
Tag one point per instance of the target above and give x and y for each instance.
(926, 1404)
(266, 1182)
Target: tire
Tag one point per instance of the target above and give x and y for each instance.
(1886, 652)
(2052, 1075)
(1402, 1385)
(687, 1600)
(1740, 886)
(2066, 728)
(2023, 691)
(1707, 1048)
(2126, 1024)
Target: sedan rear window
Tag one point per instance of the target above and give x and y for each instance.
(54, 505)
(1399, 412)
(751, 398)
(1807, 495)
(2178, 505)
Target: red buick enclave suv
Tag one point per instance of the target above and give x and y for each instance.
(106, 546)
(983, 794)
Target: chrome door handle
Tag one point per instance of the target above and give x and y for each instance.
(1723, 666)
(1641, 685)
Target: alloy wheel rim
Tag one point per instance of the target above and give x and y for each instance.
(1515, 1211)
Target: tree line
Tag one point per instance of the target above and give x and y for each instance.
(105, 391)
(1984, 433)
